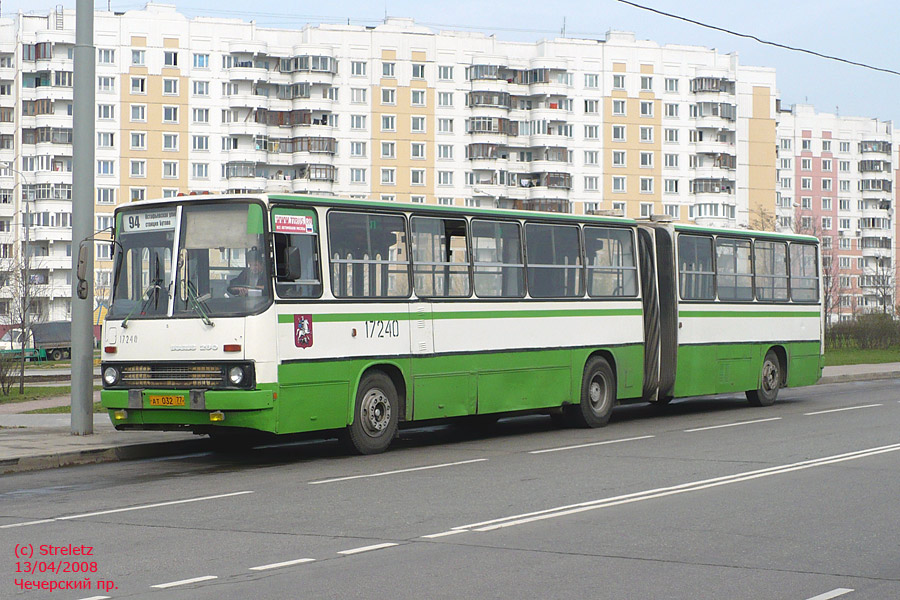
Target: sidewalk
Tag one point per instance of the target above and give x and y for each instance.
(44, 441)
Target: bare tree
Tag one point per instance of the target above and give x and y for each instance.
(832, 290)
(762, 218)
(18, 287)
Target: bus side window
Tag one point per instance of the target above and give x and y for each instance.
(368, 255)
(804, 273)
(499, 267)
(610, 262)
(297, 273)
(695, 267)
(734, 273)
(440, 257)
(770, 259)
(554, 261)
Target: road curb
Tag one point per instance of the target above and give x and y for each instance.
(101, 455)
(858, 377)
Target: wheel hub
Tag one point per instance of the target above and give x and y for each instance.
(375, 412)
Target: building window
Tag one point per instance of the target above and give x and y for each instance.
(670, 161)
(200, 170)
(671, 136)
(618, 184)
(445, 151)
(591, 183)
(388, 176)
(170, 169)
(806, 164)
(170, 114)
(358, 68)
(105, 56)
(646, 210)
(170, 58)
(138, 168)
(170, 87)
(826, 146)
(357, 149)
(646, 134)
(388, 96)
(445, 73)
(646, 185)
(671, 111)
(388, 123)
(358, 95)
(618, 158)
(417, 150)
(200, 143)
(591, 157)
(646, 83)
(445, 98)
(201, 61)
(618, 133)
(388, 150)
(647, 159)
(591, 132)
(417, 97)
(445, 177)
(591, 80)
(139, 112)
(387, 69)
(806, 144)
(671, 85)
(646, 108)
(138, 57)
(138, 140)
(106, 195)
(618, 107)
(105, 167)
(445, 125)
(106, 111)
(200, 115)
(357, 175)
(358, 122)
(417, 124)
(619, 81)
(418, 71)
(201, 88)
(670, 186)
(417, 176)
(806, 183)
(138, 194)
(105, 139)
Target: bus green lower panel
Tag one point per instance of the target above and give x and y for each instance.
(723, 368)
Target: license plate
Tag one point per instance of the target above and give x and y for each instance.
(166, 400)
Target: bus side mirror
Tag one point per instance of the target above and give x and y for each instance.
(81, 270)
(293, 264)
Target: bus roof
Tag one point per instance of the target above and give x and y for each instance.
(363, 204)
(749, 232)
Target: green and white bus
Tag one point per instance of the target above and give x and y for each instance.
(286, 314)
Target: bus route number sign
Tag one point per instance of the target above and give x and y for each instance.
(382, 329)
(148, 221)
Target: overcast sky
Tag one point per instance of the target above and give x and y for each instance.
(863, 31)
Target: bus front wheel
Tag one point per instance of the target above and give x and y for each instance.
(769, 382)
(375, 416)
(598, 395)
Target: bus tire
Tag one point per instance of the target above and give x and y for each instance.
(376, 414)
(598, 395)
(770, 378)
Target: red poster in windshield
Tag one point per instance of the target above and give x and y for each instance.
(303, 333)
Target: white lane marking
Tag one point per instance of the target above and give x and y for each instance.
(731, 424)
(287, 563)
(832, 594)
(130, 508)
(162, 586)
(97, 598)
(367, 548)
(443, 534)
(425, 468)
(694, 486)
(834, 410)
(643, 437)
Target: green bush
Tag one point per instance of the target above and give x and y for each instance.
(874, 331)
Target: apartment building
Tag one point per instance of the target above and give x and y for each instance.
(394, 112)
(836, 181)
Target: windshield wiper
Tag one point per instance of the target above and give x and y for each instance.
(155, 286)
(198, 304)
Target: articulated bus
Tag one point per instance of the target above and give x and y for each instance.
(287, 314)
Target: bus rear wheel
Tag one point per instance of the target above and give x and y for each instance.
(376, 415)
(769, 381)
(598, 395)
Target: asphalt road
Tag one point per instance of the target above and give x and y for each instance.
(706, 498)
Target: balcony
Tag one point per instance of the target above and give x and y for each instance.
(247, 72)
(877, 146)
(251, 101)
(557, 205)
(712, 85)
(246, 128)
(248, 47)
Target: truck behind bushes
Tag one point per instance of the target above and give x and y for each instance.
(46, 341)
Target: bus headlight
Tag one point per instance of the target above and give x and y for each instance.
(110, 376)
(236, 375)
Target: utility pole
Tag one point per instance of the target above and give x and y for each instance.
(83, 219)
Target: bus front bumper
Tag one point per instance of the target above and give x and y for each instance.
(189, 409)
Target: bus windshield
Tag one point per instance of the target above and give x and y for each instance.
(220, 266)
